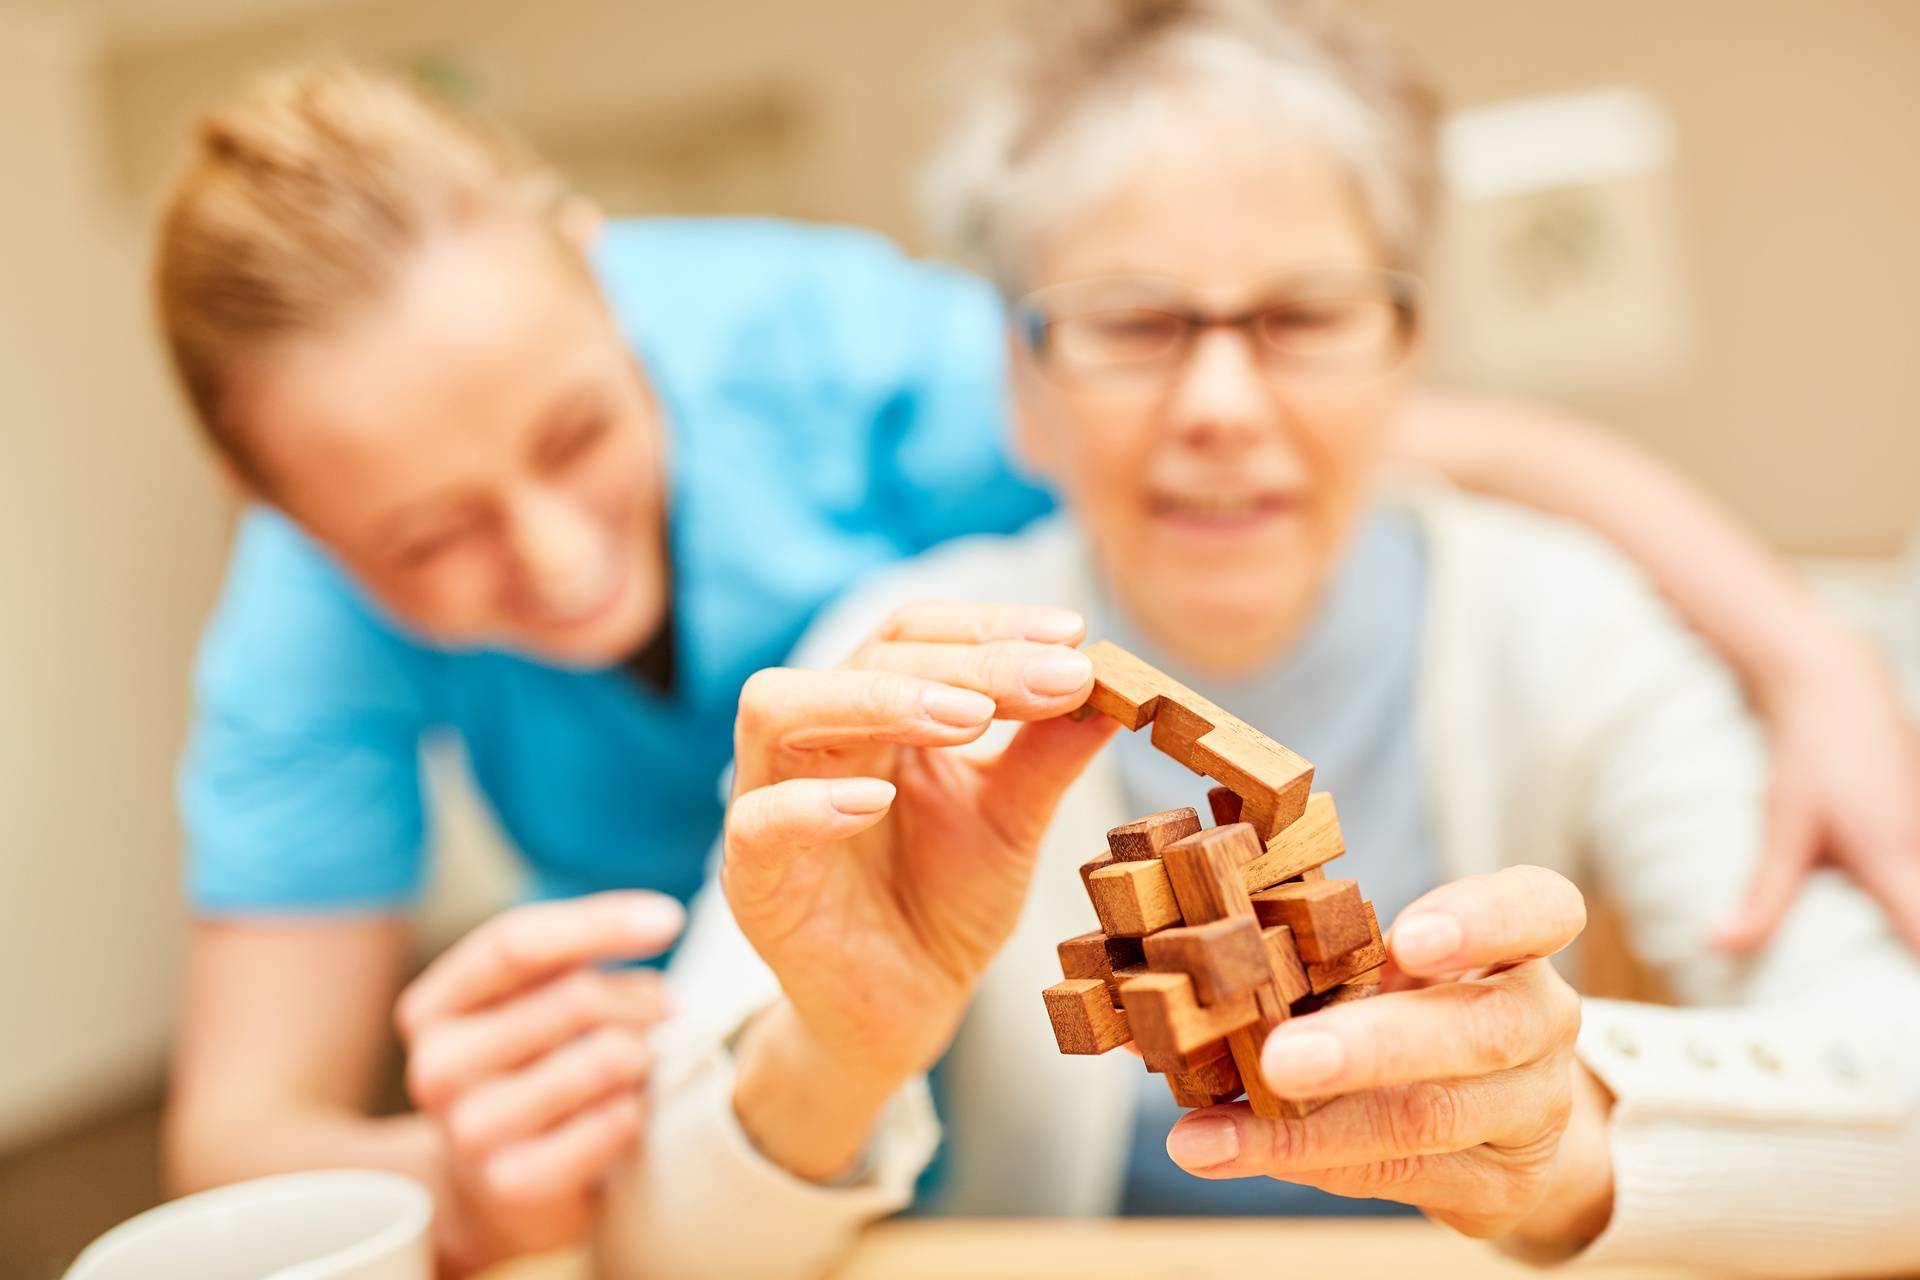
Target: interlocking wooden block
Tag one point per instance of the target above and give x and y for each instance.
(1092, 865)
(1207, 1085)
(1302, 848)
(1133, 898)
(1205, 872)
(1327, 917)
(1223, 958)
(1289, 975)
(1225, 807)
(1171, 1025)
(1084, 1017)
(1271, 781)
(1363, 959)
(1095, 955)
(1146, 837)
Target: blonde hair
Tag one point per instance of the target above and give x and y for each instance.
(1058, 111)
(301, 203)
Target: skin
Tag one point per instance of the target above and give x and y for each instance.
(478, 449)
(1498, 1134)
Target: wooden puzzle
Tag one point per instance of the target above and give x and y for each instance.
(1211, 937)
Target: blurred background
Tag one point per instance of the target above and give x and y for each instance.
(1694, 221)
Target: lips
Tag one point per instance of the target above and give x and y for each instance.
(1218, 507)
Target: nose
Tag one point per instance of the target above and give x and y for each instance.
(1221, 394)
(555, 542)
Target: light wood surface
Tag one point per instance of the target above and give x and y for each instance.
(975, 1249)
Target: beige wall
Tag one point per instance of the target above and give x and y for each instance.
(108, 549)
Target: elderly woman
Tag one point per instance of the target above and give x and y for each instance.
(1210, 214)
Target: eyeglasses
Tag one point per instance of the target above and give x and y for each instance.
(1134, 329)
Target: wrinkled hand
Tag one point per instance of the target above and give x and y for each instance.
(531, 1061)
(1845, 789)
(1459, 1090)
(875, 870)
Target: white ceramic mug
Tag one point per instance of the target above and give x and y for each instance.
(336, 1224)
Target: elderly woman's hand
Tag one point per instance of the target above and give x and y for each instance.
(876, 870)
(1461, 1095)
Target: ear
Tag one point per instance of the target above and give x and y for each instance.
(1033, 443)
(580, 221)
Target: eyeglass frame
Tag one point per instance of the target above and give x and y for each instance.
(1407, 296)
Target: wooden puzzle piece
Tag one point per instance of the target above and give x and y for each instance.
(1133, 898)
(1223, 958)
(1327, 917)
(1271, 781)
(1289, 975)
(1363, 959)
(1095, 955)
(1146, 837)
(1301, 849)
(1092, 865)
(1084, 1017)
(1225, 806)
(1207, 1085)
(1170, 1024)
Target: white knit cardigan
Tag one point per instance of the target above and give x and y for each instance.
(1566, 719)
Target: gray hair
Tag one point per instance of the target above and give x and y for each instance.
(1052, 121)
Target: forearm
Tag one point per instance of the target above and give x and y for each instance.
(1727, 584)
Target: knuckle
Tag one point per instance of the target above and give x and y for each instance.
(583, 996)
(1423, 1117)
(1496, 1024)
(1288, 1144)
(468, 1130)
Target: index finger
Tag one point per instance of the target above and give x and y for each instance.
(974, 621)
(529, 944)
(1488, 921)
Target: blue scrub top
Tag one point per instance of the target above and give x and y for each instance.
(832, 406)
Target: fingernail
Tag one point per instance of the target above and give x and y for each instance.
(961, 708)
(1057, 671)
(1054, 626)
(1426, 940)
(861, 796)
(1301, 1059)
(1201, 1142)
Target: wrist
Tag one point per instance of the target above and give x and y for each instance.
(1579, 1200)
(1818, 653)
(804, 1107)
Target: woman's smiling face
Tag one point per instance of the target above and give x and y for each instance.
(479, 449)
(1218, 484)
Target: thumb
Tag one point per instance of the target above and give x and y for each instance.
(1025, 783)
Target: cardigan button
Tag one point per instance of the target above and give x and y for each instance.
(1623, 1042)
(1765, 1058)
